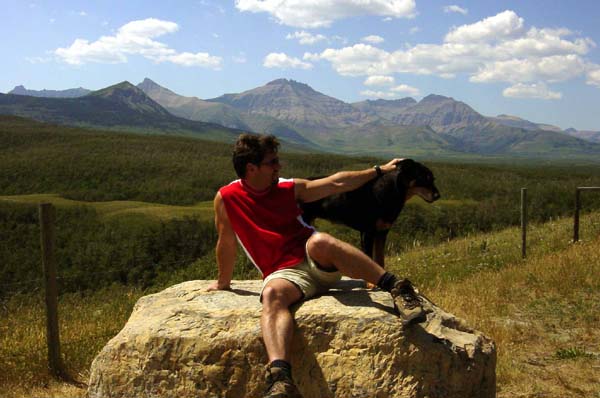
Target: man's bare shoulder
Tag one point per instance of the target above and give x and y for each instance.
(299, 187)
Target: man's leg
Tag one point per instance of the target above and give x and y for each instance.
(276, 321)
(277, 324)
(331, 253)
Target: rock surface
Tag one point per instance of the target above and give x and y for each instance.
(186, 342)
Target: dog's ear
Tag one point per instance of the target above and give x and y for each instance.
(407, 166)
(407, 171)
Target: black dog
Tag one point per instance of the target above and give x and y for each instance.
(373, 208)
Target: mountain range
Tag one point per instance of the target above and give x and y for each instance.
(122, 107)
(436, 126)
(69, 93)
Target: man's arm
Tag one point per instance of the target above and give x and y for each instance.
(226, 248)
(343, 181)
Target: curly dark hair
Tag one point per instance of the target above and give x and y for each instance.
(252, 148)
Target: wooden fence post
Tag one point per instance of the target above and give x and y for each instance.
(47, 216)
(576, 217)
(523, 222)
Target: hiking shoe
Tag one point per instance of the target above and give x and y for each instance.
(280, 384)
(407, 302)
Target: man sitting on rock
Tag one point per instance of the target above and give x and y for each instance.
(260, 211)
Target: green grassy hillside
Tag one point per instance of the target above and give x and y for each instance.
(95, 165)
(121, 208)
(99, 165)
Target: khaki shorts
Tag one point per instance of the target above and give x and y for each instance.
(309, 278)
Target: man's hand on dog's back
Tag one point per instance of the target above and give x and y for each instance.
(391, 165)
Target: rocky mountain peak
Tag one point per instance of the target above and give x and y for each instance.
(130, 96)
(152, 88)
(278, 81)
(148, 83)
(19, 90)
(116, 89)
(294, 85)
(434, 98)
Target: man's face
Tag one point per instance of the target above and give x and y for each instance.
(269, 167)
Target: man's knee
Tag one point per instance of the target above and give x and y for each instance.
(320, 244)
(270, 296)
(275, 296)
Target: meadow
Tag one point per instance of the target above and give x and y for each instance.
(134, 215)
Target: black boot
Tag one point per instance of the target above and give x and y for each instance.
(280, 384)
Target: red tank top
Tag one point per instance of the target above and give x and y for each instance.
(267, 224)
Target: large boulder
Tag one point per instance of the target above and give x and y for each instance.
(187, 342)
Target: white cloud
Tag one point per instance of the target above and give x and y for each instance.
(544, 42)
(360, 59)
(322, 13)
(551, 69)
(189, 59)
(414, 30)
(535, 90)
(83, 14)
(379, 81)
(455, 8)
(377, 94)
(593, 76)
(496, 49)
(306, 38)
(505, 25)
(134, 38)
(403, 88)
(281, 60)
(374, 39)
(52, 20)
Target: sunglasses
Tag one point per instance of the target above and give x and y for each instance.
(273, 162)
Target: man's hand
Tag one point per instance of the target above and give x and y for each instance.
(391, 165)
(215, 286)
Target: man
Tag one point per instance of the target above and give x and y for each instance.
(260, 211)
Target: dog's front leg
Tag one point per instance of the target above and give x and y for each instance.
(370, 242)
(366, 242)
(379, 247)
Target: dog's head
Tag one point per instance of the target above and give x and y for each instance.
(417, 180)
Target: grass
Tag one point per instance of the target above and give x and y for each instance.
(542, 312)
(120, 208)
(87, 322)
(543, 315)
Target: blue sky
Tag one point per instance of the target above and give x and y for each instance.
(534, 59)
